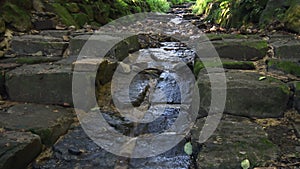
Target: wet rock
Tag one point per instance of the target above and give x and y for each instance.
(287, 49)
(31, 45)
(40, 84)
(18, 149)
(94, 156)
(247, 95)
(241, 49)
(49, 122)
(235, 139)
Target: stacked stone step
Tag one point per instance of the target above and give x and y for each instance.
(52, 84)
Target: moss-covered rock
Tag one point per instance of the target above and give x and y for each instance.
(2, 25)
(244, 49)
(16, 16)
(284, 66)
(64, 14)
(226, 63)
(292, 18)
(72, 7)
(81, 18)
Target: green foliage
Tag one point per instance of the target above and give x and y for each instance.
(201, 6)
(16, 16)
(64, 14)
(176, 2)
(232, 13)
(158, 5)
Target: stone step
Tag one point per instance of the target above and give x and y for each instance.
(18, 149)
(42, 83)
(284, 67)
(47, 121)
(115, 47)
(241, 49)
(247, 95)
(38, 45)
(287, 49)
(235, 139)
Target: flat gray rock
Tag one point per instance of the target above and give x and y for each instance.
(38, 45)
(18, 149)
(49, 122)
(247, 95)
(42, 83)
(235, 140)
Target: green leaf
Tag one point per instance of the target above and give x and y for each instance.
(262, 78)
(245, 164)
(188, 148)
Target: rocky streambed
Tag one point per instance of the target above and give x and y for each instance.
(260, 121)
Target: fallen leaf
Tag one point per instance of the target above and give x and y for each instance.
(245, 164)
(188, 148)
(262, 78)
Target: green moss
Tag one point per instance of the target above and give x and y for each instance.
(81, 18)
(257, 44)
(292, 18)
(226, 36)
(297, 85)
(241, 65)
(266, 143)
(64, 14)
(72, 7)
(2, 25)
(158, 5)
(285, 66)
(33, 60)
(88, 10)
(282, 86)
(16, 16)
